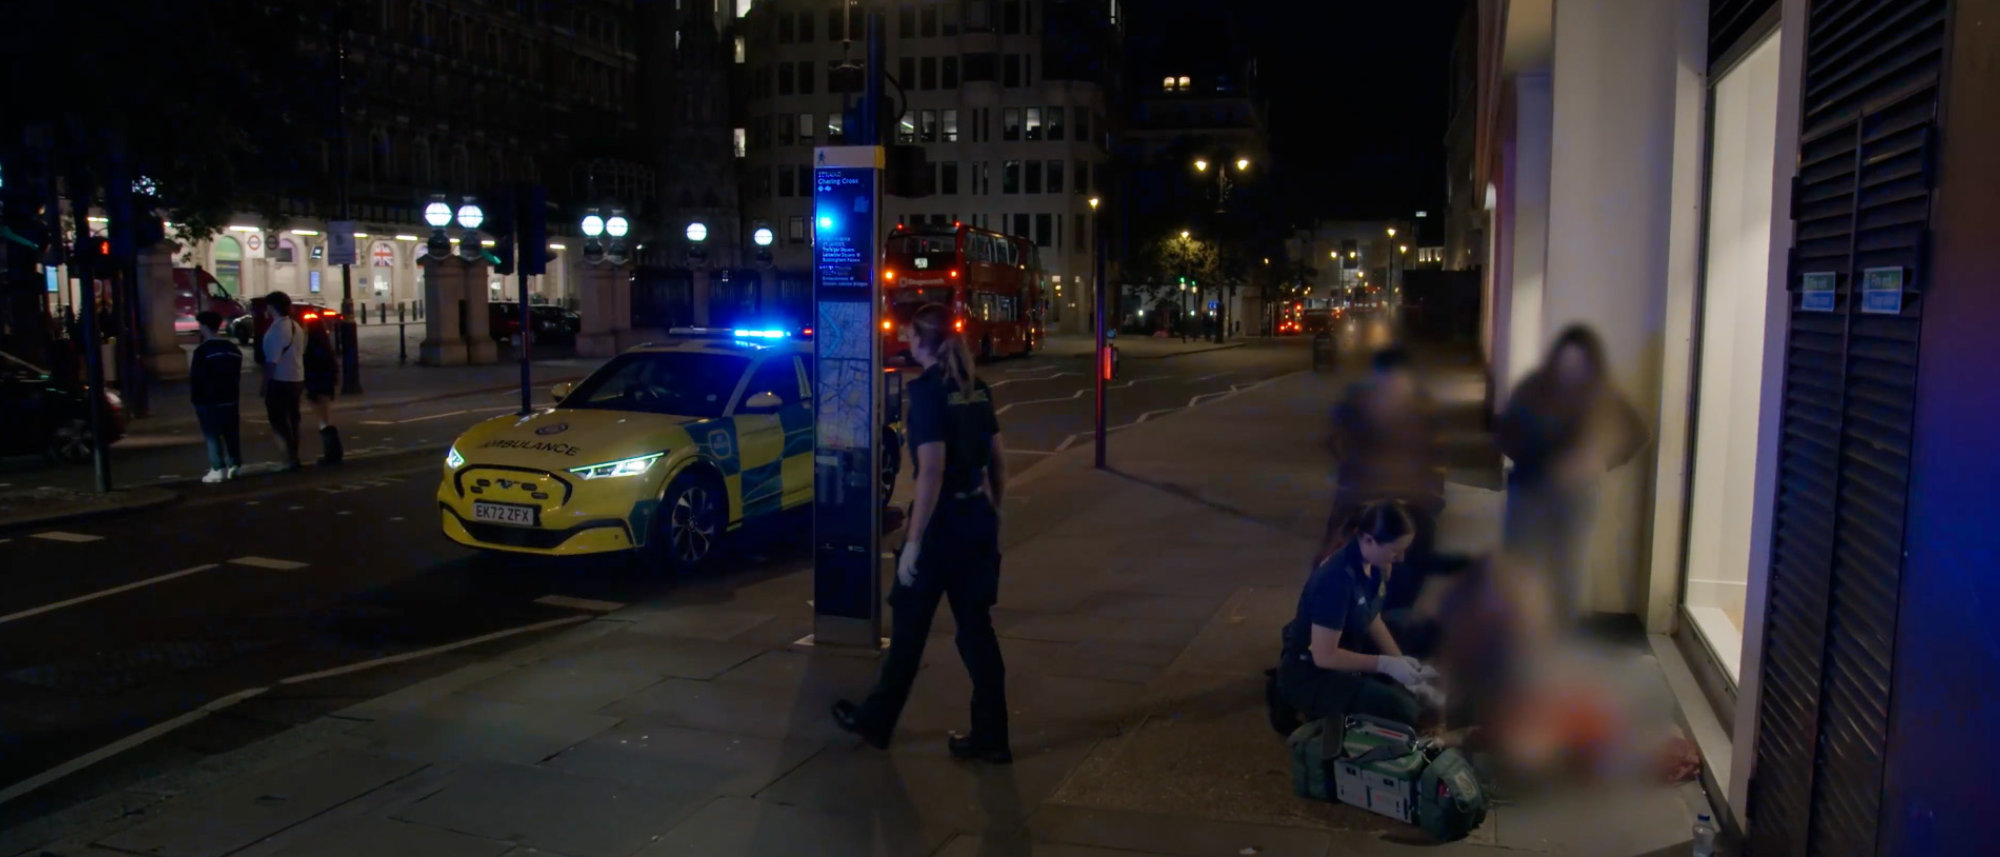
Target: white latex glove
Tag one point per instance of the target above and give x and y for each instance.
(906, 566)
(1429, 695)
(1405, 670)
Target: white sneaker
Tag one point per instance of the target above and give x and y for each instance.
(213, 477)
(231, 473)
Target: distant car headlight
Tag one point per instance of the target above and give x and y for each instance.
(452, 459)
(621, 467)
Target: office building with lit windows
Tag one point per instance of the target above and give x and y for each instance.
(1008, 98)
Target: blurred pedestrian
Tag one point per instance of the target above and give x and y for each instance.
(1323, 671)
(215, 377)
(284, 374)
(953, 544)
(322, 378)
(1563, 428)
(1384, 438)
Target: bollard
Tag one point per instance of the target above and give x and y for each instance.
(402, 342)
(399, 313)
(381, 313)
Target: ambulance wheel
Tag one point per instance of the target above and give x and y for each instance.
(690, 525)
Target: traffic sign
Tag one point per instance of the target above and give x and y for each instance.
(340, 243)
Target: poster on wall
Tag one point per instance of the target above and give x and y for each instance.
(1882, 291)
(1817, 292)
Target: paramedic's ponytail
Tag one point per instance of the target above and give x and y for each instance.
(933, 326)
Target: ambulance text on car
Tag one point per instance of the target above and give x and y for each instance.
(662, 450)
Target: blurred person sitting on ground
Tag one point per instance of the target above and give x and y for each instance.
(1564, 427)
(1540, 704)
(1322, 672)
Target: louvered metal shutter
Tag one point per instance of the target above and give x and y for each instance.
(1861, 200)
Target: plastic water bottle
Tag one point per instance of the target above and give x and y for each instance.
(1704, 837)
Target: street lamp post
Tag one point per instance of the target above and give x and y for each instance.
(1104, 359)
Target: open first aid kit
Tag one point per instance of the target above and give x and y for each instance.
(1381, 766)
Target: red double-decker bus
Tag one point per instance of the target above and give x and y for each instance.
(991, 282)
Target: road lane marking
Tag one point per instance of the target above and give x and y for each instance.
(148, 734)
(1027, 452)
(102, 593)
(1012, 405)
(436, 650)
(121, 745)
(452, 414)
(572, 603)
(67, 538)
(1052, 377)
(378, 422)
(267, 562)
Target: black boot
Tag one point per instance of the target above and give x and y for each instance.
(329, 444)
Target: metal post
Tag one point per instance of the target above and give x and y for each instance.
(1103, 349)
(871, 105)
(527, 324)
(93, 351)
(350, 339)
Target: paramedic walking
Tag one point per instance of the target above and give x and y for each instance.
(953, 544)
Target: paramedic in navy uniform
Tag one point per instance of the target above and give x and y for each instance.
(953, 544)
(1322, 673)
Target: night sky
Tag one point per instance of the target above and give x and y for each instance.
(1358, 94)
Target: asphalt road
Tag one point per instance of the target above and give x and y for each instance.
(113, 626)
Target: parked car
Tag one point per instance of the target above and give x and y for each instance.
(553, 324)
(196, 290)
(48, 417)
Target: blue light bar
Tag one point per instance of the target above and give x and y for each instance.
(761, 334)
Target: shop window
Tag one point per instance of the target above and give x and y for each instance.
(1735, 286)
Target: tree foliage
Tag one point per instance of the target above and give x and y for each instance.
(220, 105)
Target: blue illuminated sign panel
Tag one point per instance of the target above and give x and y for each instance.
(847, 415)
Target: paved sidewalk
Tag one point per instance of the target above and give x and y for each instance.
(1134, 347)
(1139, 609)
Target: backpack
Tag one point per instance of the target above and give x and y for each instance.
(1450, 801)
(319, 359)
(1384, 768)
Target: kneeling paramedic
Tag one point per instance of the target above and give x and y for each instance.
(953, 545)
(1321, 674)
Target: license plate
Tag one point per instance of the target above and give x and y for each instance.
(506, 513)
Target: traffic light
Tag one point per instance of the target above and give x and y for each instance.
(503, 255)
(1183, 281)
(533, 225)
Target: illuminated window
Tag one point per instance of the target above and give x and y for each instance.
(742, 139)
(741, 53)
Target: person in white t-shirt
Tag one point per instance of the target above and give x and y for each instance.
(284, 373)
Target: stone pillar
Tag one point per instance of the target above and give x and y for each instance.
(164, 358)
(604, 299)
(619, 291)
(699, 295)
(444, 287)
(480, 349)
